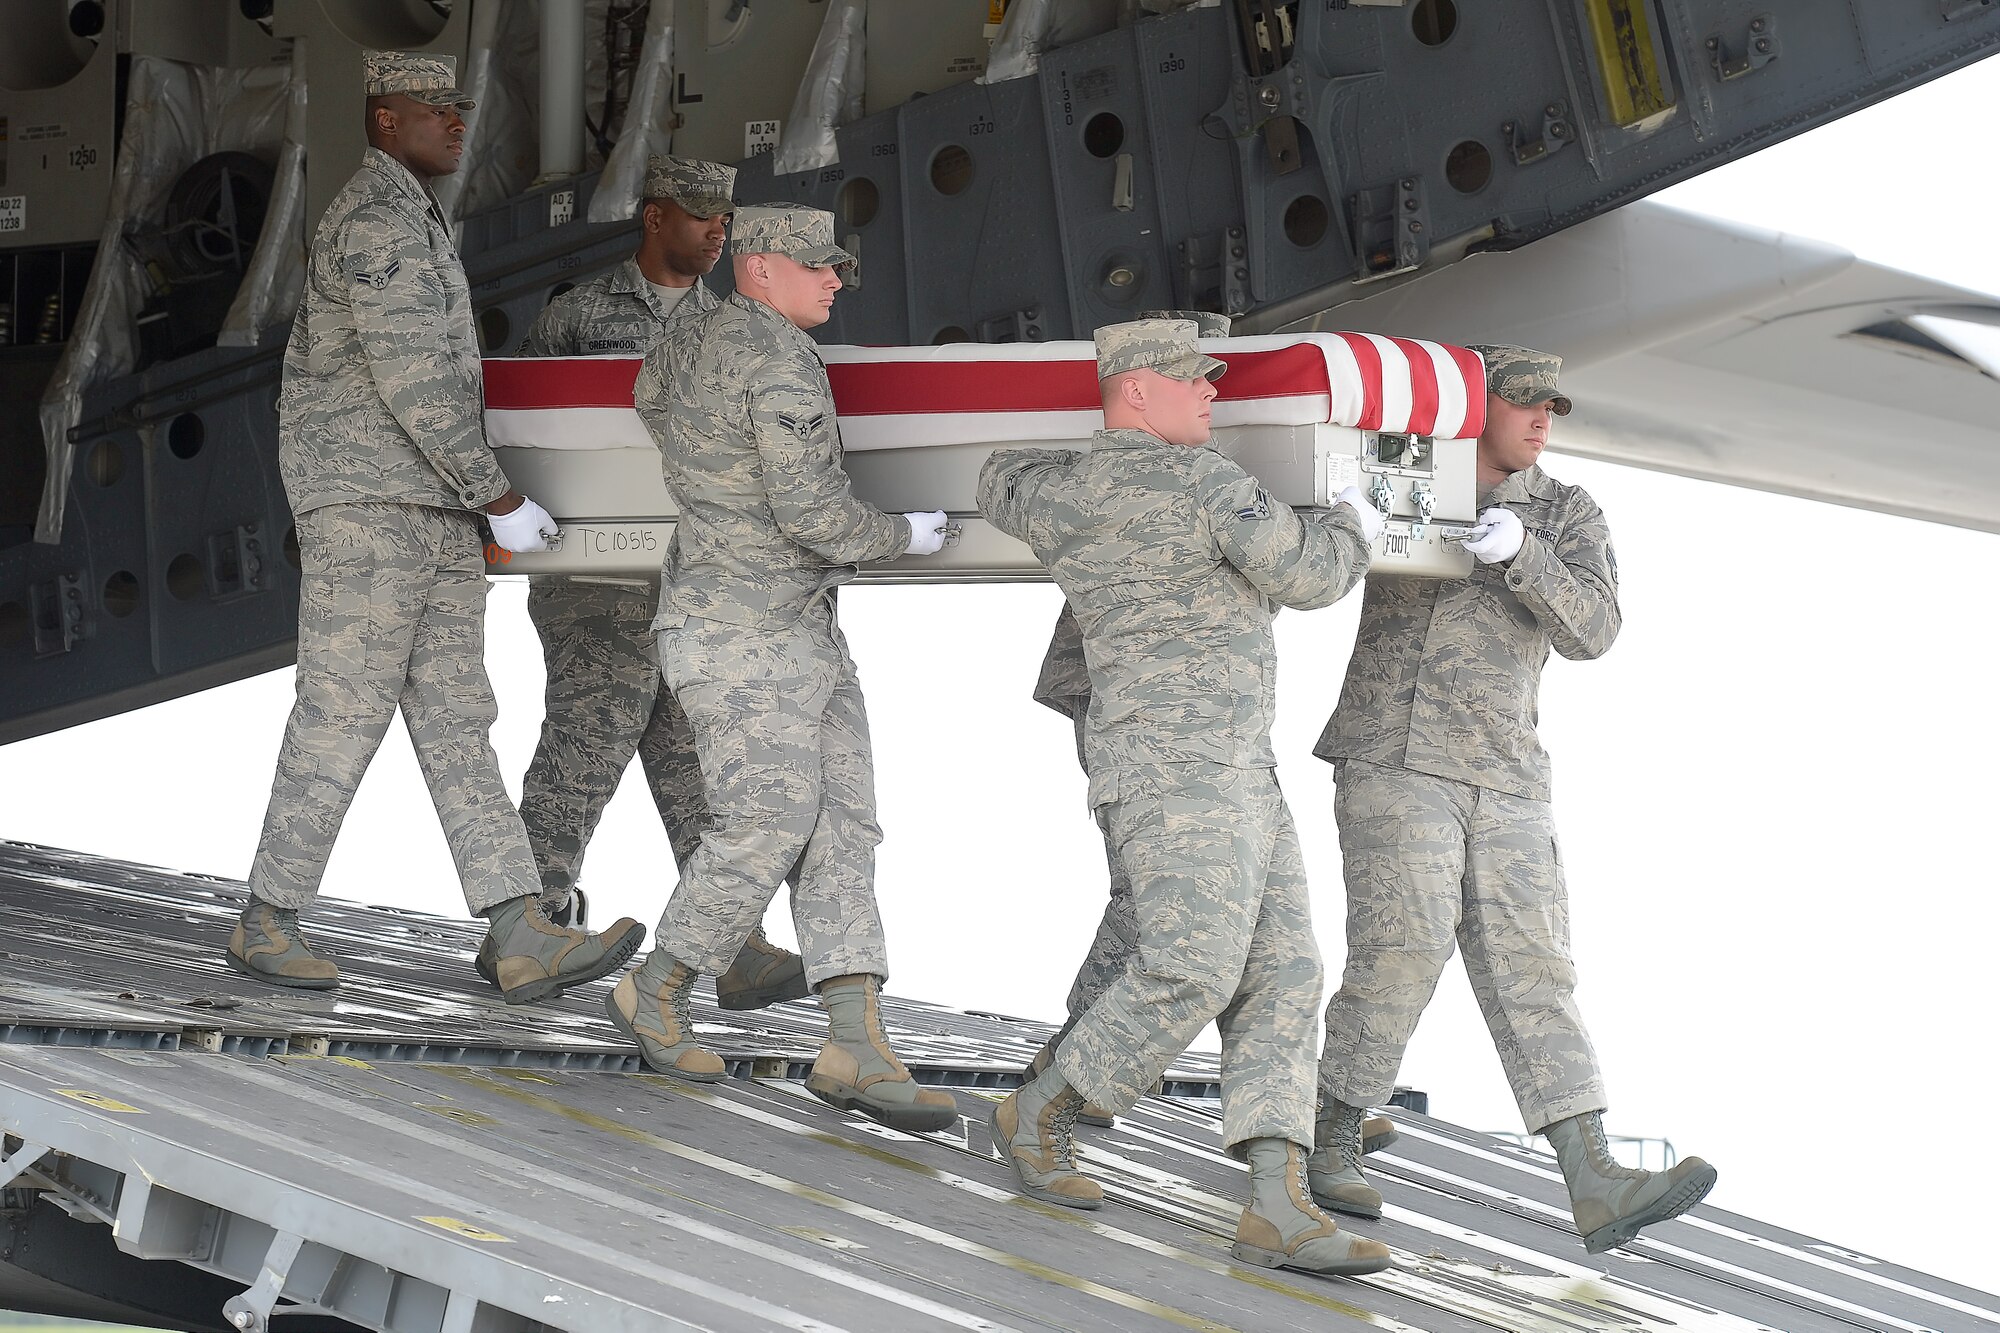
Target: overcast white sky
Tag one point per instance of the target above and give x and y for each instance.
(1775, 794)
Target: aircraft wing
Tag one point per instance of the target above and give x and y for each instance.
(1737, 355)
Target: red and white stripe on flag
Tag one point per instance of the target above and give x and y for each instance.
(975, 393)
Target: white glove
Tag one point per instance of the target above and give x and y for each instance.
(1501, 538)
(926, 532)
(526, 527)
(1370, 516)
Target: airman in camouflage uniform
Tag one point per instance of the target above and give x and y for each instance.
(1442, 798)
(605, 699)
(381, 447)
(1064, 685)
(1173, 559)
(749, 643)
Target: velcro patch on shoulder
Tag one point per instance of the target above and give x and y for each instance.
(380, 277)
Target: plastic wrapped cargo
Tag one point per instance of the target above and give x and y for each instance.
(175, 115)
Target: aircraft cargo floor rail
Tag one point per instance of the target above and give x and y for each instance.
(186, 1148)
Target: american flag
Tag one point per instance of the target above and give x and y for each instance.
(978, 393)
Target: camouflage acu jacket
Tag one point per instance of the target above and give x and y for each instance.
(381, 397)
(614, 314)
(1446, 674)
(737, 400)
(1173, 560)
(1065, 680)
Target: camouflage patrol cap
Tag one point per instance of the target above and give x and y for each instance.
(1211, 324)
(702, 188)
(792, 230)
(428, 79)
(1522, 375)
(1163, 345)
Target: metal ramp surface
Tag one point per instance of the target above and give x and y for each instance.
(406, 1154)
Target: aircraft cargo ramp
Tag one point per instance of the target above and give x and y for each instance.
(409, 1154)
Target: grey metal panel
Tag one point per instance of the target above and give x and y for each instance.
(45, 1253)
(758, 1193)
(135, 506)
(217, 526)
(59, 98)
(987, 250)
(600, 1200)
(916, 47)
(877, 310)
(1118, 256)
(1188, 65)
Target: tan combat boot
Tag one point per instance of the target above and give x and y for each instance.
(533, 957)
(1377, 1133)
(1031, 1132)
(856, 1070)
(650, 1005)
(1283, 1228)
(1610, 1201)
(1095, 1116)
(269, 945)
(761, 974)
(570, 911)
(1333, 1172)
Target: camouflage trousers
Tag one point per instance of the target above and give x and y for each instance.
(1117, 936)
(1064, 685)
(392, 607)
(1429, 859)
(1224, 934)
(605, 701)
(786, 764)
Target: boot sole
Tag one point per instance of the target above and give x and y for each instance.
(1263, 1258)
(614, 958)
(1343, 1207)
(909, 1119)
(1691, 1192)
(271, 979)
(617, 1018)
(1032, 1191)
(1377, 1142)
(1097, 1121)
